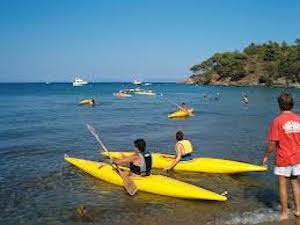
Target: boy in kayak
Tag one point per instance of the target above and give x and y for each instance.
(183, 150)
(140, 162)
(284, 136)
(183, 107)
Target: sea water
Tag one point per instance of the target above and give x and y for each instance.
(39, 123)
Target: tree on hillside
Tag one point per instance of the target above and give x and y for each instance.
(269, 61)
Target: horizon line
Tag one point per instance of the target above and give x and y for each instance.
(69, 82)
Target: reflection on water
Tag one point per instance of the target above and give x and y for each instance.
(40, 123)
(180, 118)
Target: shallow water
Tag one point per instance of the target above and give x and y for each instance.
(39, 123)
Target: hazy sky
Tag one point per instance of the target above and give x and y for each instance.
(111, 40)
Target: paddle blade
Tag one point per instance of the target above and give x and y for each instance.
(129, 185)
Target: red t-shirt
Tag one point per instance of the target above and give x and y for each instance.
(285, 130)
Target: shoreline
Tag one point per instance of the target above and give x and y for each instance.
(245, 85)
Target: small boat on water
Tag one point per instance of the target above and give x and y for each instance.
(139, 91)
(181, 114)
(137, 82)
(79, 82)
(122, 94)
(87, 102)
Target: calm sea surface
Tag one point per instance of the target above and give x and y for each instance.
(39, 123)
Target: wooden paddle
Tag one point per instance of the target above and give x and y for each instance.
(129, 185)
(173, 103)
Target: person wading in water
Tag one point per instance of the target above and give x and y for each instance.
(284, 137)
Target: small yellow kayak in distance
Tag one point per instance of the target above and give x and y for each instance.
(181, 113)
(155, 184)
(119, 94)
(201, 165)
(86, 102)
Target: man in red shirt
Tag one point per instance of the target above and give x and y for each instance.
(284, 137)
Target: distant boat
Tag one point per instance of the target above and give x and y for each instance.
(79, 82)
(122, 93)
(137, 82)
(139, 91)
(148, 84)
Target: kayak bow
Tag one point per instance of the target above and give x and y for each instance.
(180, 113)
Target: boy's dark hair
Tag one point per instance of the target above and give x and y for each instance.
(179, 135)
(285, 101)
(140, 144)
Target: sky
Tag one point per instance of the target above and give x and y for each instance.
(122, 40)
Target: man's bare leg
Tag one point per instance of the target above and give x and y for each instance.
(282, 182)
(296, 193)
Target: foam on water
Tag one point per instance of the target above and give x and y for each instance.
(258, 216)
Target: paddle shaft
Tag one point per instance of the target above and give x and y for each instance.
(173, 103)
(129, 185)
(180, 107)
(100, 142)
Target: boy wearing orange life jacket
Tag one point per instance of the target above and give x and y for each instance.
(183, 150)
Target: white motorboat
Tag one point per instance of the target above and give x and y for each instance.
(137, 82)
(139, 91)
(79, 82)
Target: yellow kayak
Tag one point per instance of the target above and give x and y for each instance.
(86, 102)
(155, 184)
(118, 94)
(181, 113)
(202, 165)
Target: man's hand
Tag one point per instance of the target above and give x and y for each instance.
(270, 148)
(264, 161)
(166, 169)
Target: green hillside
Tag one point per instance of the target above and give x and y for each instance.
(268, 64)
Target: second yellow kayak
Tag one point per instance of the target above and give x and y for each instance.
(180, 113)
(202, 165)
(86, 102)
(155, 184)
(119, 94)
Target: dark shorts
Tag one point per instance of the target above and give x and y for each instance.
(135, 169)
(186, 157)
